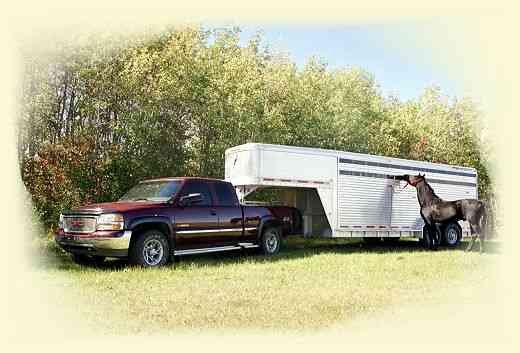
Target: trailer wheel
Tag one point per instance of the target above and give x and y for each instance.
(270, 241)
(451, 234)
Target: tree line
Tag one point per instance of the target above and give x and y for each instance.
(98, 115)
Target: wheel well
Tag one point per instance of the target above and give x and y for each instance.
(455, 222)
(269, 223)
(143, 227)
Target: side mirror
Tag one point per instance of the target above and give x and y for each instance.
(190, 199)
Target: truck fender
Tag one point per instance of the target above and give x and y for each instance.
(268, 221)
(156, 219)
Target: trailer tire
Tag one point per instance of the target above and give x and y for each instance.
(451, 234)
(270, 241)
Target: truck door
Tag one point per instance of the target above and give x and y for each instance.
(196, 225)
(229, 213)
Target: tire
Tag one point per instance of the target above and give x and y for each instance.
(451, 234)
(88, 260)
(150, 249)
(270, 241)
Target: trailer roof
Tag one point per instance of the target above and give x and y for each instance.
(321, 151)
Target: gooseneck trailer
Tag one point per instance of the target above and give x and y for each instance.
(344, 194)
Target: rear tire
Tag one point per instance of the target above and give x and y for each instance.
(451, 234)
(270, 241)
(150, 249)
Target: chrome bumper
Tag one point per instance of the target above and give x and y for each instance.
(97, 244)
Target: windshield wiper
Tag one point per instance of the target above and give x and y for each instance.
(141, 199)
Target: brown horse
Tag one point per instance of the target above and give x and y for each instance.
(435, 210)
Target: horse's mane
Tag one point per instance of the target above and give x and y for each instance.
(430, 189)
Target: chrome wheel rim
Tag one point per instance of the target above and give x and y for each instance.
(153, 252)
(451, 236)
(271, 242)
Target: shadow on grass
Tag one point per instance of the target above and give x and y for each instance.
(294, 248)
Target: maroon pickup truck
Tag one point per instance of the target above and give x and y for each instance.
(162, 218)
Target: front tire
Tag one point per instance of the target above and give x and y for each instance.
(151, 249)
(270, 241)
(451, 234)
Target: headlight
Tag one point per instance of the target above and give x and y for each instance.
(110, 221)
(60, 223)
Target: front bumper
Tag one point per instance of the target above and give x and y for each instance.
(101, 243)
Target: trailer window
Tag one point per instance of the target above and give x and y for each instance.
(225, 194)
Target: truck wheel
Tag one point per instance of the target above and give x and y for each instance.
(150, 249)
(87, 260)
(451, 234)
(270, 241)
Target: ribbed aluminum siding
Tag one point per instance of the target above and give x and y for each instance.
(375, 200)
(363, 201)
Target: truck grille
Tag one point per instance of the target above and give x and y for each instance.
(80, 224)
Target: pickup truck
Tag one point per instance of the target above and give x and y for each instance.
(162, 218)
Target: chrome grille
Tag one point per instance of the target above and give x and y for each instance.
(79, 224)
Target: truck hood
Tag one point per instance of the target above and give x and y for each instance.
(109, 207)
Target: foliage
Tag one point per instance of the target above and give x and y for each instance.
(99, 115)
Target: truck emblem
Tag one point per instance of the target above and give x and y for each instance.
(77, 224)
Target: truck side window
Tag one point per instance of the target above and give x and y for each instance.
(226, 194)
(197, 187)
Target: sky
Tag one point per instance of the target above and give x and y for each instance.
(394, 54)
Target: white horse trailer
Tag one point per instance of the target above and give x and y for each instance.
(344, 194)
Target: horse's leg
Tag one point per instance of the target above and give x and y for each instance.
(481, 242)
(473, 237)
(432, 235)
(482, 229)
(480, 235)
(437, 234)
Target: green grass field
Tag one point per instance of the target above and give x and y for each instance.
(312, 284)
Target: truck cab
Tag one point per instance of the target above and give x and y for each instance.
(162, 218)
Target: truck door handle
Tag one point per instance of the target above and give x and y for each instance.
(213, 212)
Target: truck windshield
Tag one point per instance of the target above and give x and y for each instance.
(160, 190)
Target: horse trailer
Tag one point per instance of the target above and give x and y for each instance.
(344, 194)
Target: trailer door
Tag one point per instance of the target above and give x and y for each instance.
(364, 199)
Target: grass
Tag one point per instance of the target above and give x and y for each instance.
(312, 284)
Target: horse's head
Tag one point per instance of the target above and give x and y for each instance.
(413, 179)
